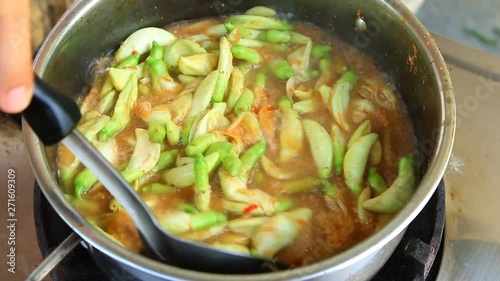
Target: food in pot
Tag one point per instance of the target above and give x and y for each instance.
(248, 133)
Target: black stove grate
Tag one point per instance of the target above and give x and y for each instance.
(413, 259)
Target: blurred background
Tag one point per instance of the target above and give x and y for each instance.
(474, 23)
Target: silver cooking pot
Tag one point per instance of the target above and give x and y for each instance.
(393, 36)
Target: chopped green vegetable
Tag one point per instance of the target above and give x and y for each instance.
(244, 103)
(166, 159)
(281, 69)
(321, 50)
(259, 22)
(248, 54)
(398, 194)
(321, 147)
(121, 116)
(250, 157)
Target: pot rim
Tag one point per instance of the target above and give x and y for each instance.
(435, 171)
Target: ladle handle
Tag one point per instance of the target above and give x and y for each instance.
(50, 114)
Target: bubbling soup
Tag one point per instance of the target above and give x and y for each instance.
(248, 133)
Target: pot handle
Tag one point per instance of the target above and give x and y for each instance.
(57, 255)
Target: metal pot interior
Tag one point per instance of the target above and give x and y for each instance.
(394, 38)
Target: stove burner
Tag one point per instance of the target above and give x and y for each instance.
(413, 259)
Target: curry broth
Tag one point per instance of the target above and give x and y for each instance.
(332, 229)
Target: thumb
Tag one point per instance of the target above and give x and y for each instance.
(16, 74)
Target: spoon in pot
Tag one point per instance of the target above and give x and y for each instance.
(53, 117)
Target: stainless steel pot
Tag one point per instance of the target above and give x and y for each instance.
(393, 36)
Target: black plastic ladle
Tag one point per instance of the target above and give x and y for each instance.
(53, 117)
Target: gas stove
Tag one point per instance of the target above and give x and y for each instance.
(468, 250)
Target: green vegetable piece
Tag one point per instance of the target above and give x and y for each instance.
(146, 153)
(107, 87)
(121, 116)
(276, 36)
(156, 51)
(132, 60)
(119, 77)
(186, 131)
(222, 147)
(398, 194)
(158, 71)
(225, 67)
(245, 102)
(298, 38)
(339, 149)
(248, 54)
(341, 98)
(157, 131)
(260, 80)
(325, 67)
(217, 30)
(299, 61)
(188, 208)
(364, 129)
(232, 164)
(238, 32)
(278, 232)
(274, 171)
(199, 64)
(144, 89)
(302, 185)
(259, 22)
(281, 69)
(283, 205)
(230, 26)
(355, 162)
(261, 11)
(330, 190)
(140, 41)
(324, 92)
(363, 214)
(237, 86)
(183, 176)
(321, 147)
(83, 181)
(376, 181)
(180, 48)
(157, 188)
(107, 102)
(131, 175)
(173, 133)
(201, 100)
(321, 50)
(201, 183)
(251, 43)
(291, 132)
(201, 144)
(167, 158)
(86, 179)
(186, 79)
(313, 73)
(200, 174)
(207, 219)
(250, 157)
(308, 106)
